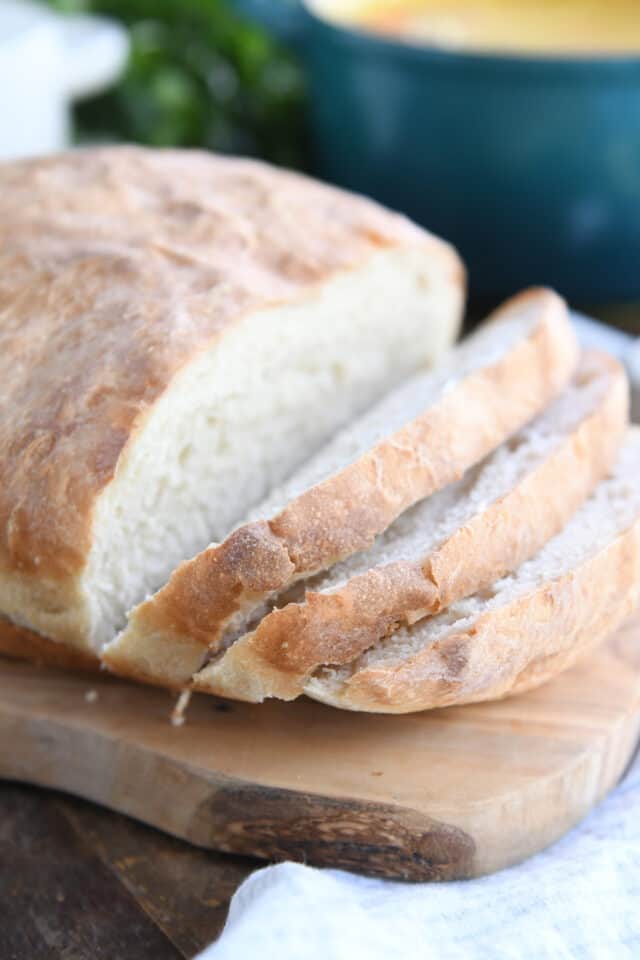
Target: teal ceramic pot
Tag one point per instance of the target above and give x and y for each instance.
(531, 166)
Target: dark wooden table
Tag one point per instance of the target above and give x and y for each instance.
(80, 883)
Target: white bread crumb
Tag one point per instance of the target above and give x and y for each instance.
(178, 712)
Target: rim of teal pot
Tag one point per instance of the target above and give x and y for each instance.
(420, 55)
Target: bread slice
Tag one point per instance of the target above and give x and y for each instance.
(414, 442)
(448, 546)
(178, 332)
(523, 630)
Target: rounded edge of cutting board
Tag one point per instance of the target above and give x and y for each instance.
(446, 795)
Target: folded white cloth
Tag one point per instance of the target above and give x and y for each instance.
(578, 900)
(623, 346)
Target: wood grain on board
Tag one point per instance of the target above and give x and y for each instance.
(445, 794)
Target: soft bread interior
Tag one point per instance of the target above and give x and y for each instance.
(418, 531)
(245, 413)
(435, 538)
(608, 513)
(401, 450)
(486, 346)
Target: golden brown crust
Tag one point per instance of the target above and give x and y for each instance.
(343, 514)
(22, 644)
(334, 628)
(118, 266)
(514, 648)
(252, 561)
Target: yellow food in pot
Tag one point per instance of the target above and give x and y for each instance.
(520, 26)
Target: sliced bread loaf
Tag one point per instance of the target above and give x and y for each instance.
(178, 332)
(524, 629)
(448, 546)
(415, 441)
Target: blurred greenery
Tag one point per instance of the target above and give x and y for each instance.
(197, 76)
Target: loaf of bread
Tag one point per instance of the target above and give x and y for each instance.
(448, 546)
(178, 332)
(415, 441)
(521, 631)
(226, 464)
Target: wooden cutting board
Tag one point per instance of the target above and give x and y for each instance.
(448, 794)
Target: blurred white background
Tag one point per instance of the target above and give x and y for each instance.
(46, 62)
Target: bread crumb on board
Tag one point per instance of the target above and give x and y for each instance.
(178, 712)
(91, 696)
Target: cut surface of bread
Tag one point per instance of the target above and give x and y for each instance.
(446, 547)
(415, 441)
(524, 629)
(178, 332)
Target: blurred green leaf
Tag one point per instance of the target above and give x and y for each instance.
(197, 76)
